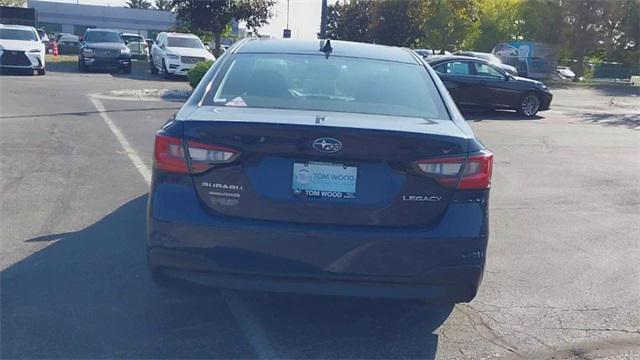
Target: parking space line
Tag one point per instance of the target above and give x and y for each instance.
(131, 153)
(254, 334)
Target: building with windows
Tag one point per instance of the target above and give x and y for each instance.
(55, 17)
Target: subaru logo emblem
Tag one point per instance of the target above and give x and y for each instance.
(327, 145)
(107, 53)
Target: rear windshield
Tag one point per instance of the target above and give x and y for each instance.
(184, 42)
(132, 38)
(103, 36)
(18, 34)
(342, 84)
(490, 58)
(69, 38)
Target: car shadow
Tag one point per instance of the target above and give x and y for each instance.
(323, 327)
(631, 121)
(87, 294)
(480, 115)
(614, 90)
(90, 113)
(139, 71)
(8, 71)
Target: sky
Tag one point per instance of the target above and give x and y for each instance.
(304, 16)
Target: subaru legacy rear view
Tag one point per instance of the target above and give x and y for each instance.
(320, 167)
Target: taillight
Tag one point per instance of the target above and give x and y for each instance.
(168, 154)
(475, 170)
(205, 156)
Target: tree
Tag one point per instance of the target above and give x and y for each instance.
(446, 23)
(214, 15)
(14, 3)
(498, 21)
(138, 4)
(349, 21)
(165, 5)
(394, 22)
(584, 19)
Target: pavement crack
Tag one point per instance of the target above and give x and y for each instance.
(485, 331)
(626, 331)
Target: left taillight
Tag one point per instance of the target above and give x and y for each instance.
(206, 156)
(169, 155)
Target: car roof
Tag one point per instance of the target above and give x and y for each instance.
(18, 27)
(130, 34)
(181, 34)
(103, 30)
(442, 58)
(339, 48)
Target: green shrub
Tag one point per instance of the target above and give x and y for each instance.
(197, 72)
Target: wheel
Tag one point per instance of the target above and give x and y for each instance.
(127, 69)
(529, 105)
(154, 69)
(42, 71)
(165, 73)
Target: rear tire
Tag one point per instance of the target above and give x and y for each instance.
(152, 67)
(42, 71)
(529, 105)
(127, 69)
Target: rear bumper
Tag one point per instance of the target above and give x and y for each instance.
(443, 263)
(456, 283)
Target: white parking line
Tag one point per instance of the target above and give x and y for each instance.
(131, 153)
(256, 336)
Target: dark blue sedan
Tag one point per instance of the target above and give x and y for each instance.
(321, 167)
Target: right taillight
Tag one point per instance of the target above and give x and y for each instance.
(477, 171)
(474, 172)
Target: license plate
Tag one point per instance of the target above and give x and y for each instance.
(325, 180)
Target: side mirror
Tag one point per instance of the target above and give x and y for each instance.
(507, 77)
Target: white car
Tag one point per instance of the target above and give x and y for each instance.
(137, 45)
(21, 48)
(176, 53)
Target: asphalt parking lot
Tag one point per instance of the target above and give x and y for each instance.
(562, 277)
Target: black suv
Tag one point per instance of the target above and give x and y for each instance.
(103, 49)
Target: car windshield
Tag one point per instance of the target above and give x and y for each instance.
(18, 34)
(184, 42)
(103, 37)
(313, 82)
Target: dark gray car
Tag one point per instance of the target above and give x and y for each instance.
(103, 49)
